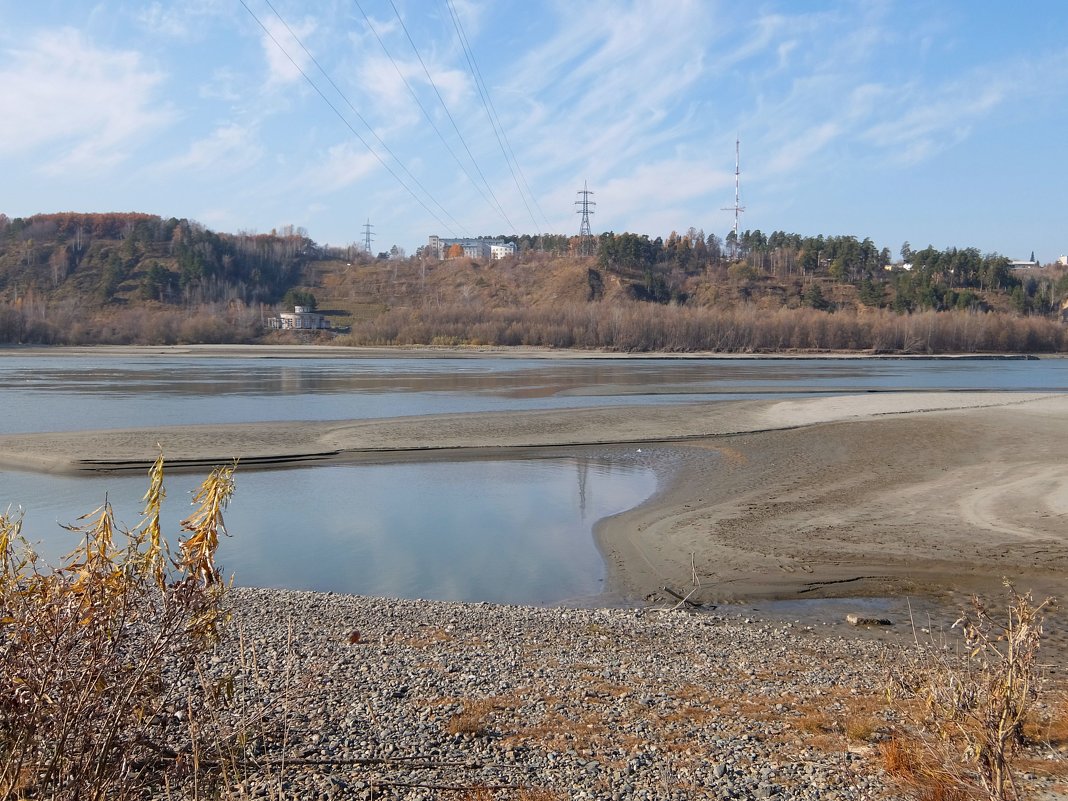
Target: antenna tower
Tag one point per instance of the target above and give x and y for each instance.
(585, 235)
(737, 208)
(367, 236)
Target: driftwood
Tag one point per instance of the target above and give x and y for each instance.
(684, 599)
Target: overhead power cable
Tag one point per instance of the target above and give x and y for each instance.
(448, 113)
(347, 124)
(360, 117)
(415, 96)
(495, 120)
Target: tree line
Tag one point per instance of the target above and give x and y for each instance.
(121, 257)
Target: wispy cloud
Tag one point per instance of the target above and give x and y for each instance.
(340, 167)
(229, 148)
(187, 20)
(283, 53)
(89, 105)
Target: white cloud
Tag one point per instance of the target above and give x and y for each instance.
(924, 122)
(90, 105)
(657, 184)
(229, 148)
(344, 165)
(802, 147)
(182, 21)
(285, 56)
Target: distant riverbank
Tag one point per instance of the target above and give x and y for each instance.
(467, 351)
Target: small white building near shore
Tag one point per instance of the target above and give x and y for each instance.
(302, 318)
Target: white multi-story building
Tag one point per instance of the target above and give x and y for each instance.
(502, 250)
(472, 248)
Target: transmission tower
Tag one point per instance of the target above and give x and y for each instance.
(367, 236)
(585, 234)
(737, 208)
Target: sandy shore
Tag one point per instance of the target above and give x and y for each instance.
(856, 495)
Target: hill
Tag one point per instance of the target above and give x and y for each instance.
(127, 277)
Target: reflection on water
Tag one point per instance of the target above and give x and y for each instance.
(516, 532)
(63, 392)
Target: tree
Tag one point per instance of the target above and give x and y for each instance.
(906, 251)
(155, 283)
(814, 297)
(455, 251)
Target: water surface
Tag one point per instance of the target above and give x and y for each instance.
(493, 531)
(64, 392)
(513, 531)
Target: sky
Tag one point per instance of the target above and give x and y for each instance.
(938, 123)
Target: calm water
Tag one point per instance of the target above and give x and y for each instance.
(63, 393)
(495, 531)
(516, 532)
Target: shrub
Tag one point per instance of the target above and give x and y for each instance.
(971, 725)
(92, 652)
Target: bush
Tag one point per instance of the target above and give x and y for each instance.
(92, 652)
(971, 724)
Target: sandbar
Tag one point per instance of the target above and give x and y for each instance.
(870, 494)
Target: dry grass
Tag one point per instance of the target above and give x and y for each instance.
(474, 718)
(91, 652)
(861, 728)
(973, 710)
(633, 326)
(909, 765)
(1048, 727)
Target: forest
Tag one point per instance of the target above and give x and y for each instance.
(115, 278)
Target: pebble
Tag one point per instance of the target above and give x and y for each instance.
(583, 703)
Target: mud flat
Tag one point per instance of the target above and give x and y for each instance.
(862, 495)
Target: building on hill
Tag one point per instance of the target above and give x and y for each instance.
(302, 318)
(470, 248)
(1024, 263)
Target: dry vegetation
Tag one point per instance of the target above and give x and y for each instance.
(72, 279)
(969, 716)
(91, 653)
(634, 326)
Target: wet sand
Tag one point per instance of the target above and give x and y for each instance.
(863, 495)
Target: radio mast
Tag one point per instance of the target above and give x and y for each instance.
(737, 208)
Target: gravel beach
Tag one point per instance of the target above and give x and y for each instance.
(605, 704)
(367, 698)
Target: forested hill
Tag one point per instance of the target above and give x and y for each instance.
(137, 278)
(78, 276)
(127, 257)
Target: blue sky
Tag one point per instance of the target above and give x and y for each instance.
(937, 123)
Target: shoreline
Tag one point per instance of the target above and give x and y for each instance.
(873, 495)
(471, 351)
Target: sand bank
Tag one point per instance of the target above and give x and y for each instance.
(854, 495)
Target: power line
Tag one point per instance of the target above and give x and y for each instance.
(448, 113)
(344, 121)
(491, 112)
(360, 116)
(430, 119)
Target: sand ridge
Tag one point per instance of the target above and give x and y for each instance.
(879, 493)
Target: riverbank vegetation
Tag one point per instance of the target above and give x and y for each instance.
(140, 279)
(100, 657)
